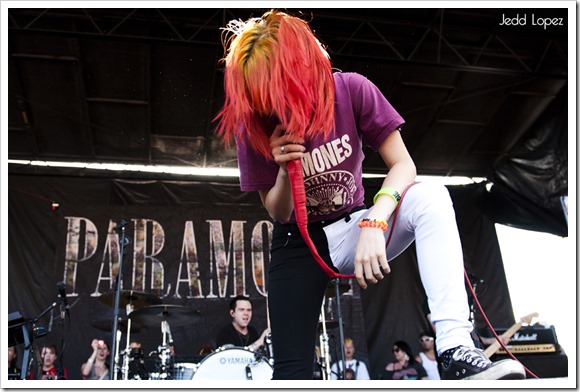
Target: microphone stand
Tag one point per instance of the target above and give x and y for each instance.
(28, 327)
(114, 358)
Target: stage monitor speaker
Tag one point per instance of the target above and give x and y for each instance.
(545, 365)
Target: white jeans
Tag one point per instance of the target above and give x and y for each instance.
(426, 215)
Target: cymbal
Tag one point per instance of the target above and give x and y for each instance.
(136, 298)
(107, 325)
(330, 291)
(175, 315)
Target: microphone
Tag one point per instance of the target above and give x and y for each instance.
(64, 306)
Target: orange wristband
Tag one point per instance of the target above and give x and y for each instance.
(378, 223)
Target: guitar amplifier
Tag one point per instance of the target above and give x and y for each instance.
(534, 339)
(533, 334)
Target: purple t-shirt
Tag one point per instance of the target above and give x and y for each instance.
(332, 167)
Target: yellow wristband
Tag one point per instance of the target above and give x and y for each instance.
(390, 192)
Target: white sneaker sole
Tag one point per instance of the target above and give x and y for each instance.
(506, 369)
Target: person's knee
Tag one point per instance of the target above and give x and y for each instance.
(428, 193)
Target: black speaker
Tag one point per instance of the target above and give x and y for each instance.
(543, 365)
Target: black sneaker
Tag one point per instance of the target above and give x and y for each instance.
(467, 363)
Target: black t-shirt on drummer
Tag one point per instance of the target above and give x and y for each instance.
(230, 335)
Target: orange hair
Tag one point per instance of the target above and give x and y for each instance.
(276, 71)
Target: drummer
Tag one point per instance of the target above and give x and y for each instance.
(239, 332)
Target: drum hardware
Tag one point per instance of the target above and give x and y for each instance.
(164, 315)
(269, 348)
(116, 361)
(125, 367)
(165, 368)
(165, 349)
(136, 365)
(324, 347)
(323, 325)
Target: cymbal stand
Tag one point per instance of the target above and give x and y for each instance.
(116, 344)
(125, 368)
(164, 349)
(324, 347)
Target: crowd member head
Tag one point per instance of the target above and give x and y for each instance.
(135, 345)
(13, 371)
(349, 374)
(402, 352)
(12, 356)
(427, 340)
(48, 355)
(102, 350)
(349, 349)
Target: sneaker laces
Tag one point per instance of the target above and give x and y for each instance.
(471, 355)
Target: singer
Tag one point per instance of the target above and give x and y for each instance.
(299, 130)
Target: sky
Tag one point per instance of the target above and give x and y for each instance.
(541, 273)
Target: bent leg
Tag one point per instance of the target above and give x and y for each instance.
(427, 211)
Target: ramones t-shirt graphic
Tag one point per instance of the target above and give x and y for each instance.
(332, 167)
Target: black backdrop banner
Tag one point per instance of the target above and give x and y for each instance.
(196, 244)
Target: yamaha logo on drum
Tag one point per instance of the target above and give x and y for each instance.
(236, 361)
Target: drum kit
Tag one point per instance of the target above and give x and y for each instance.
(145, 310)
(226, 363)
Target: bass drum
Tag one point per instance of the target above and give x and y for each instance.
(233, 363)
